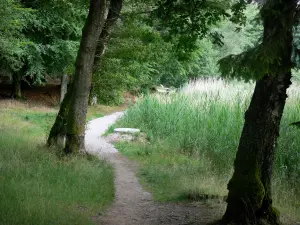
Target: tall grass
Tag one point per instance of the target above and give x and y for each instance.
(37, 187)
(194, 135)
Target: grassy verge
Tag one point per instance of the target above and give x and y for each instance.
(98, 111)
(172, 176)
(105, 110)
(36, 187)
(193, 137)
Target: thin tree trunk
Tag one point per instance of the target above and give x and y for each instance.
(64, 86)
(111, 20)
(83, 77)
(16, 89)
(250, 195)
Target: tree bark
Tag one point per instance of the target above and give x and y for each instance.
(16, 89)
(64, 86)
(83, 77)
(111, 20)
(58, 131)
(250, 195)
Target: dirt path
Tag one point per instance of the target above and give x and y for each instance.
(133, 205)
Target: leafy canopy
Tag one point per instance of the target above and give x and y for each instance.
(40, 37)
(264, 58)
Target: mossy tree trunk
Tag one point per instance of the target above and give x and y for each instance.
(250, 194)
(58, 130)
(83, 77)
(111, 20)
(16, 85)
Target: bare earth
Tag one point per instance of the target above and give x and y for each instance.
(133, 205)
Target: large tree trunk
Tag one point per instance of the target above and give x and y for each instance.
(111, 20)
(58, 130)
(83, 77)
(16, 86)
(250, 195)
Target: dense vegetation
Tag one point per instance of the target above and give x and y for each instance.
(45, 40)
(140, 57)
(39, 39)
(192, 140)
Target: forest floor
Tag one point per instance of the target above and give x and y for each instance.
(133, 205)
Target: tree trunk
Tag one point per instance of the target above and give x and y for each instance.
(250, 195)
(249, 199)
(111, 20)
(83, 77)
(58, 130)
(64, 86)
(16, 89)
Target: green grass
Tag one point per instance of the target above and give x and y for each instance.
(37, 187)
(97, 111)
(94, 116)
(41, 121)
(193, 139)
(171, 176)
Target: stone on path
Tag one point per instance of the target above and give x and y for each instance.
(127, 130)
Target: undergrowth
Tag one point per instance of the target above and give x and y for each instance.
(193, 137)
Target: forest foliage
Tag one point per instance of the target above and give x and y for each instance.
(40, 39)
(141, 55)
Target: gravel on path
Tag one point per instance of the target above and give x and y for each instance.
(96, 144)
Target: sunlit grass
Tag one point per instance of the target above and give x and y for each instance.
(194, 135)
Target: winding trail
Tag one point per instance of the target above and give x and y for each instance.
(133, 205)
